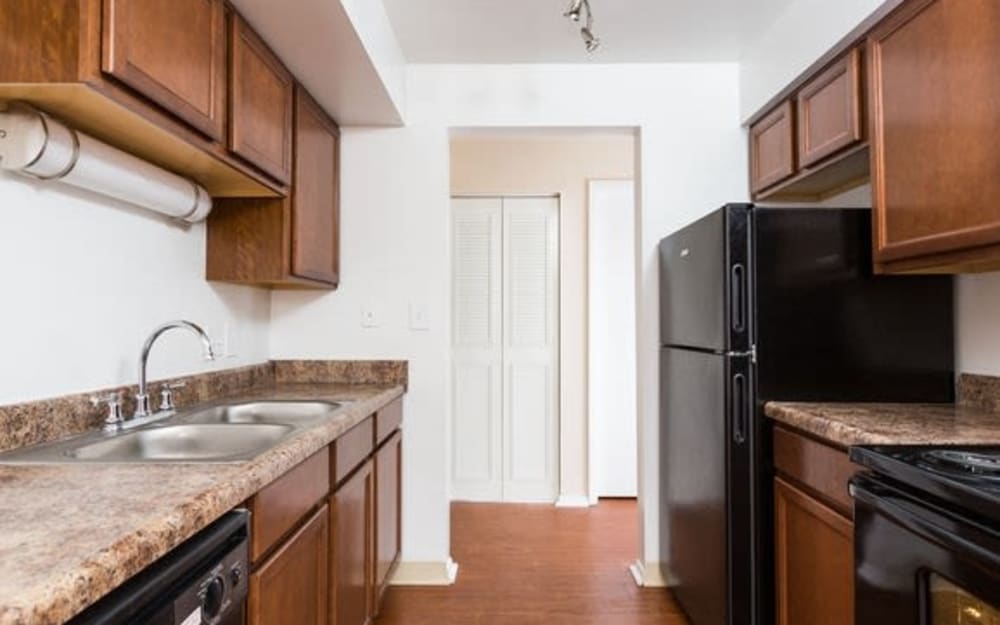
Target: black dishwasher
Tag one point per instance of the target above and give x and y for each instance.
(201, 582)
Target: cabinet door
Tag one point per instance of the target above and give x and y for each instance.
(173, 52)
(352, 583)
(292, 586)
(772, 148)
(388, 503)
(829, 110)
(934, 93)
(814, 560)
(260, 103)
(315, 193)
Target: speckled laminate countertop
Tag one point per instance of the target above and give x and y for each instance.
(890, 424)
(71, 533)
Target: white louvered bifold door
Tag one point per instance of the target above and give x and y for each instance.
(531, 349)
(477, 341)
(505, 349)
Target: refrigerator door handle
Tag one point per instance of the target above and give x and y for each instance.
(738, 297)
(739, 408)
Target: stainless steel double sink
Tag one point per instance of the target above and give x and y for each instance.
(225, 432)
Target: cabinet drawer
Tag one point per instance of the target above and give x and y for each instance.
(772, 148)
(388, 420)
(822, 469)
(352, 448)
(829, 110)
(277, 508)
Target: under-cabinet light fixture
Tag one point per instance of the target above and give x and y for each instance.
(35, 144)
(576, 10)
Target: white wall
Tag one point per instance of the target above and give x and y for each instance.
(794, 41)
(977, 318)
(85, 279)
(395, 233)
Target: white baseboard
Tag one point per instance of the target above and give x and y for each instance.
(649, 574)
(573, 501)
(425, 573)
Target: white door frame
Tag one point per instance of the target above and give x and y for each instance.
(593, 445)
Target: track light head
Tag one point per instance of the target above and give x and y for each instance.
(573, 12)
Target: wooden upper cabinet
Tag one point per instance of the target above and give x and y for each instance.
(148, 77)
(814, 560)
(294, 241)
(935, 114)
(772, 148)
(260, 103)
(315, 193)
(173, 52)
(829, 110)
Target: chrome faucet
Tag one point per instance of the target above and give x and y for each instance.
(142, 397)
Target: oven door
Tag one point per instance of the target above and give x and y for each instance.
(917, 563)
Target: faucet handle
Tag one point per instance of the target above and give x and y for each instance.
(113, 420)
(167, 395)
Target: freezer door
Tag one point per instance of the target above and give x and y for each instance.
(705, 283)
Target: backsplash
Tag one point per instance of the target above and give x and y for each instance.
(344, 371)
(979, 391)
(47, 420)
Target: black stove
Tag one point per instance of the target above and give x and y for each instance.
(965, 478)
(927, 534)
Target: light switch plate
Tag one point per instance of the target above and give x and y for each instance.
(418, 317)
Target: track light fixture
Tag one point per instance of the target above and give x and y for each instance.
(576, 9)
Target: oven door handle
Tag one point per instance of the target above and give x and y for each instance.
(917, 518)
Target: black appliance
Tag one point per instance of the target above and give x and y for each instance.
(760, 303)
(201, 582)
(927, 535)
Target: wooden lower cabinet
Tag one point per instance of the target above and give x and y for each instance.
(814, 560)
(351, 535)
(292, 585)
(388, 504)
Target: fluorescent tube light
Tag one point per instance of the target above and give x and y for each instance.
(34, 143)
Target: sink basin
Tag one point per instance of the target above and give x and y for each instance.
(281, 412)
(185, 443)
(231, 432)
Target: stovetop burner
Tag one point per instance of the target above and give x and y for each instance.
(964, 462)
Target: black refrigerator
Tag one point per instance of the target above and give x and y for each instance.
(759, 304)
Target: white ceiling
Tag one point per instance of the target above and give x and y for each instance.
(534, 31)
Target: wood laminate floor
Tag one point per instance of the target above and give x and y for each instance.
(533, 564)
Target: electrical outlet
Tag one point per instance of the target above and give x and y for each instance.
(230, 340)
(368, 318)
(418, 317)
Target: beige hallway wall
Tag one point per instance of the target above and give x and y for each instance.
(546, 162)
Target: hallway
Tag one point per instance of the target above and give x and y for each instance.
(537, 564)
